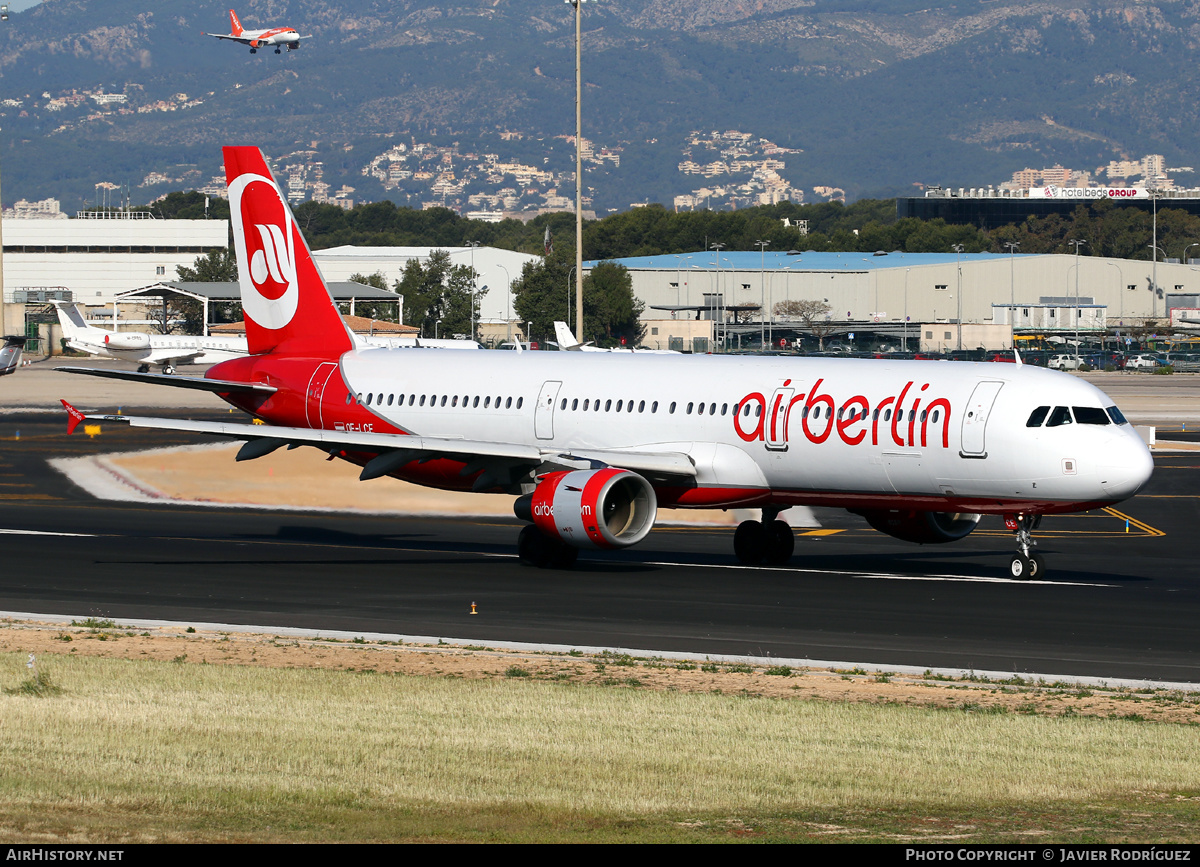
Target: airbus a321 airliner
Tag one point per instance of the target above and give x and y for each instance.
(594, 443)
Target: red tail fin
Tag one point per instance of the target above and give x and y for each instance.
(288, 308)
(74, 417)
(235, 26)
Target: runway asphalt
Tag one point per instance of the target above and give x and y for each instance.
(1121, 599)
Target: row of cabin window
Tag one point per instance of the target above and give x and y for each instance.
(699, 409)
(451, 400)
(1061, 415)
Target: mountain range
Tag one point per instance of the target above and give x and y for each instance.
(870, 96)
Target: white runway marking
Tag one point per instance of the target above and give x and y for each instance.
(883, 576)
(10, 532)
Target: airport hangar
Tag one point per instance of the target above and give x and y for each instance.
(97, 258)
(882, 297)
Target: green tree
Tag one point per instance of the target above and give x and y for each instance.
(215, 266)
(385, 311)
(610, 310)
(439, 296)
(540, 293)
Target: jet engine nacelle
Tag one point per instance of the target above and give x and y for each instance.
(923, 527)
(606, 508)
(127, 340)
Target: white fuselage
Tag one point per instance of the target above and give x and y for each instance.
(806, 430)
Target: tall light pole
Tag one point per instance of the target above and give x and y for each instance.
(762, 279)
(906, 270)
(1012, 246)
(578, 5)
(1076, 243)
(1155, 250)
(958, 249)
(716, 248)
(569, 273)
(474, 284)
(508, 296)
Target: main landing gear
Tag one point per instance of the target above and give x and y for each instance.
(1025, 564)
(535, 548)
(768, 542)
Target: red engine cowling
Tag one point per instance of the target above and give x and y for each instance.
(606, 508)
(127, 340)
(923, 527)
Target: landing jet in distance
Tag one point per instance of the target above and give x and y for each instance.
(276, 36)
(591, 445)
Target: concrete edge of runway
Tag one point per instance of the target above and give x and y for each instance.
(682, 656)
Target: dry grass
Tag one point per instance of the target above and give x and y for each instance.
(179, 751)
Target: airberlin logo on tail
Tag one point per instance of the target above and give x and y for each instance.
(272, 259)
(266, 252)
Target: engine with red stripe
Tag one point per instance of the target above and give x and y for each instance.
(608, 508)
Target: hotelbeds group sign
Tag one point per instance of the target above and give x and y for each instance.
(1052, 192)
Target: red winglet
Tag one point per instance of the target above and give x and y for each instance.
(74, 417)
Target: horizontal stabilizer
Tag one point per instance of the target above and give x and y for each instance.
(197, 383)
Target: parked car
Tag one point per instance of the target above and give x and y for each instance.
(1142, 362)
(1064, 362)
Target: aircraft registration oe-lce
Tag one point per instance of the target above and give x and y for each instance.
(593, 444)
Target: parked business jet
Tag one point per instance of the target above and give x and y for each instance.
(566, 341)
(10, 354)
(277, 36)
(162, 350)
(594, 445)
(168, 350)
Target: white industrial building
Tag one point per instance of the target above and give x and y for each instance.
(881, 292)
(95, 259)
(497, 269)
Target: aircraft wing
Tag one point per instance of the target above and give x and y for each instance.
(198, 383)
(229, 36)
(501, 463)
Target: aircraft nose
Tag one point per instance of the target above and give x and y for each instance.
(1127, 466)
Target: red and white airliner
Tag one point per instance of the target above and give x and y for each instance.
(593, 444)
(277, 36)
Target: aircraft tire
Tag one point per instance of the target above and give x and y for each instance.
(532, 548)
(254, 51)
(1020, 567)
(1037, 567)
(780, 543)
(143, 368)
(563, 556)
(750, 543)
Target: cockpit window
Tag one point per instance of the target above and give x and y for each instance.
(1058, 416)
(1037, 416)
(1090, 415)
(1116, 416)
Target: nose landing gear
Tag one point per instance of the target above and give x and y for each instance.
(768, 542)
(1025, 564)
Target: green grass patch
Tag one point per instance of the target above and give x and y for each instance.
(180, 752)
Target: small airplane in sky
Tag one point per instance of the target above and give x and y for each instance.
(592, 446)
(277, 36)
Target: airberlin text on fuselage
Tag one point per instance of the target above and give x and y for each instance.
(821, 415)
